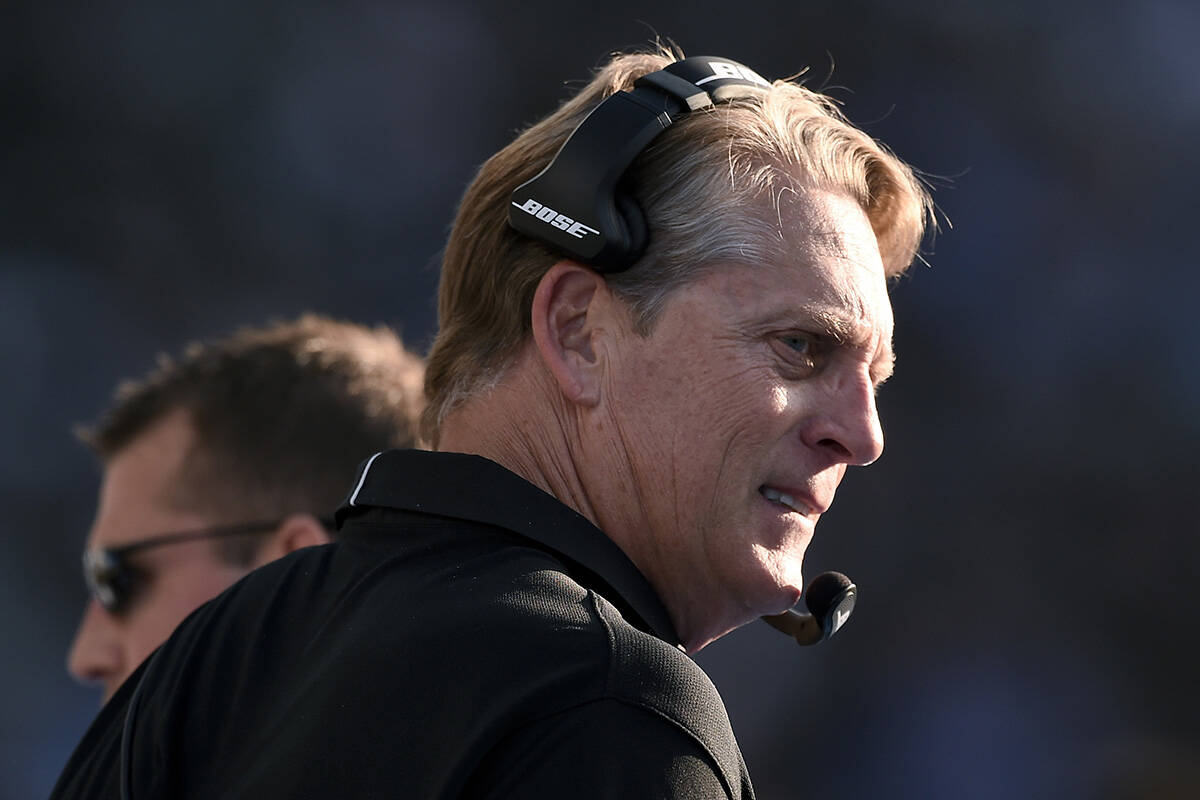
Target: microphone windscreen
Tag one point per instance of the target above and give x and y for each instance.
(823, 591)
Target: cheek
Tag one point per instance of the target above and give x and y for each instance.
(169, 601)
(779, 400)
(698, 425)
(733, 444)
(752, 409)
(146, 627)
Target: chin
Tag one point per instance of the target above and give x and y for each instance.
(785, 597)
(779, 586)
(744, 604)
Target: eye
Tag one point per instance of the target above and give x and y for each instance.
(129, 587)
(113, 581)
(800, 352)
(802, 344)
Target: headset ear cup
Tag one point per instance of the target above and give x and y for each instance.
(634, 224)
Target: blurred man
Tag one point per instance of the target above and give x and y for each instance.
(655, 361)
(232, 456)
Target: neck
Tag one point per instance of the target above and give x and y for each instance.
(523, 424)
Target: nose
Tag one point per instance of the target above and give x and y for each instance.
(95, 654)
(846, 426)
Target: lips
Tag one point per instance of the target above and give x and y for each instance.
(786, 500)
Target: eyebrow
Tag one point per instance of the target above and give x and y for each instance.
(883, 367)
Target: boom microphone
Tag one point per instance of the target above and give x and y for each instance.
(830, 600)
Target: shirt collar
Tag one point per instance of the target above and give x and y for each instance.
(476, 489)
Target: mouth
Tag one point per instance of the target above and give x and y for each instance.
(786, 500)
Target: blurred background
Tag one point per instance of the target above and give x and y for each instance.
(1026, 549)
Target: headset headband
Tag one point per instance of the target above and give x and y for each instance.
(574, 205)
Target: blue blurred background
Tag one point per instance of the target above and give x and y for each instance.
(1026, 549)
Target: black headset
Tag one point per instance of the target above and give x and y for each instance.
(576, 205)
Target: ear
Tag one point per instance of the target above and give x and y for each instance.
(296, 531)
(566, 305)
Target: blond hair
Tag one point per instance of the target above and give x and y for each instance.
(708, 166)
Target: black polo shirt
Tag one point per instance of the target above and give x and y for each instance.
(467, 636)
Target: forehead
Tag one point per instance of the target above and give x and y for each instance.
(824, 267)
(138, 483)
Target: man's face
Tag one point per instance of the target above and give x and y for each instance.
(738, 415)
(134, 505)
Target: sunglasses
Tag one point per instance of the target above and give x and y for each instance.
(115, 581)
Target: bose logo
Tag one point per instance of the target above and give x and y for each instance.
(723, 69)
(557, 220)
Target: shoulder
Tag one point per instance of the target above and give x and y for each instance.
(607, 707)
(662, 680)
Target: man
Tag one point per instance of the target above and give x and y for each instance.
(224, 460)
(656, 358)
